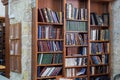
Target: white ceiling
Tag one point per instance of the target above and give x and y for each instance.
(2, 9)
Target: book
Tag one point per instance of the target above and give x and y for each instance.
(40, 16)
(82, 12)
(38, 71)
(49, 14)
(47, 58)
(82, 71)
(39, 32)
(105, 17)
(69, 10)
(95, 60)
(93, 18)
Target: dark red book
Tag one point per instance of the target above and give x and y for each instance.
(40, 16)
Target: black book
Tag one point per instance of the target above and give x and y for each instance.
(93, 17)
(105, 17)
(38, 71)
(40, 16)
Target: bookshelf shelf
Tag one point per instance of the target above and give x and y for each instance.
(102, 1)
(99, 41)
(82, 32)
(46, 23)
(103, 26)
(14, 39)
(75, 56)
(77, 20)
(60, 64)
(99, 54)
(50, 39)
(81, 76)
(47, 77)
(99, 65)
(101, 74)
(51, 52)
(15, 55)
(76, 45)
(80, 66)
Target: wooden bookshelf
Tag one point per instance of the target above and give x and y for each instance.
(100, 8)
(76, 28)
(85, 31)
(2, 47)
(15, 47)
(48, 32)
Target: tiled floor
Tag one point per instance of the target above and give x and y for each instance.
(3, 78)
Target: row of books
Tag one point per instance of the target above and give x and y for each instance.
(76, 39)
(76, 13)
(50, 46)
(101, 59)
(100, 78)
(48, 15)
(75, 62)
(99, 48)
(75, 72)
(73, 79)
(97, 34)
(76, 51)
(49, 58)
(102, 20)
(48, 71)
(49, 32)
(76, 26)
(98, 69)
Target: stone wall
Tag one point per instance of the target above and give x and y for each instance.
(116, 38)
(21, 11)
(2, 9)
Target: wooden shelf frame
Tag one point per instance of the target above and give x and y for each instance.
(92, 6)
(55, 5)
(2, 47)
(15, 47)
